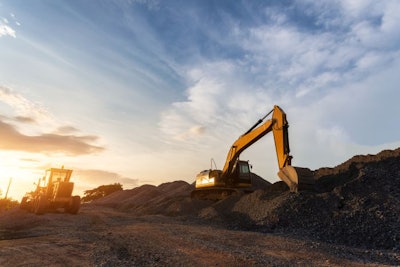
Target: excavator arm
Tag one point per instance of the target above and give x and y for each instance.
(277, 124)
(296, 178)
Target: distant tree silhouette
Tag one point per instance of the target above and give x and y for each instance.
(7, 203)
(101, 191)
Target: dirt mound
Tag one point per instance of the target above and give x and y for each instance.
(139, 195)
(170, 199)
(329, 178)
(356, 203)
(258, 182)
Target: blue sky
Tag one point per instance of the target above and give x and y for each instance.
(149, 91)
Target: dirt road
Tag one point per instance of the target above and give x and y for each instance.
(104, 237)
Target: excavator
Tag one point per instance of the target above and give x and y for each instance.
(235, 177)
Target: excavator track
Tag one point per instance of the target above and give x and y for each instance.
(216, 193)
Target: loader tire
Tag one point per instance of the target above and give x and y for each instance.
(24, 204)
(40, 205)
(74, 205)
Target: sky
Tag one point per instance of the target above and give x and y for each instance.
(149, 91)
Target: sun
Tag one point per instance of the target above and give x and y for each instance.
(20, 174)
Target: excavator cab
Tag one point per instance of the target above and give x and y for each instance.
(214, 185)
(240, 176)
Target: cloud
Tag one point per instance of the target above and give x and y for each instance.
(287, 63)
(150, 4)
(96, 178)
(7, 30)
(11, 139)
(338, 49)
(129, 183)
(33, 118)
(22, 106)
(221, 104)
(66, 129)
(191, 133)
(30, 160)
(20, 119)
(24, 119)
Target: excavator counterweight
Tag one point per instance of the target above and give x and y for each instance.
(236, 175)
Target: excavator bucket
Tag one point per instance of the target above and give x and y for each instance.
(297, 178)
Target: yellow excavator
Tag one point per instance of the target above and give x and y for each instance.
(235, 177)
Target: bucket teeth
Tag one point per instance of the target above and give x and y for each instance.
(297, 178)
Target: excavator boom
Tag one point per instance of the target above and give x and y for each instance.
(278, 124)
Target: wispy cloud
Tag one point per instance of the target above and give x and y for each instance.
(220, 107)
(22, 106)
(193, 132)
(151, 4)
(11, 139)
(66, 130)
(6, 30)
(29, 160)
(101, 177)
(25, 119)
(316, 59)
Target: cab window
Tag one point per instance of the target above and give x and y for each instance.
(244, 168)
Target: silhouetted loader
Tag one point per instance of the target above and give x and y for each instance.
(53, 191)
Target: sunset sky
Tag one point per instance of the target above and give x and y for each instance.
(138, 92)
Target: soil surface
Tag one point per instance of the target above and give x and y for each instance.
(350, 219)
(100, 236)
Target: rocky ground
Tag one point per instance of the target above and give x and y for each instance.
(351, 219)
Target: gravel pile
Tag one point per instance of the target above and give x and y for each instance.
(171, 199)
(356, 203)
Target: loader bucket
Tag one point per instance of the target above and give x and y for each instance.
(297, 178)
